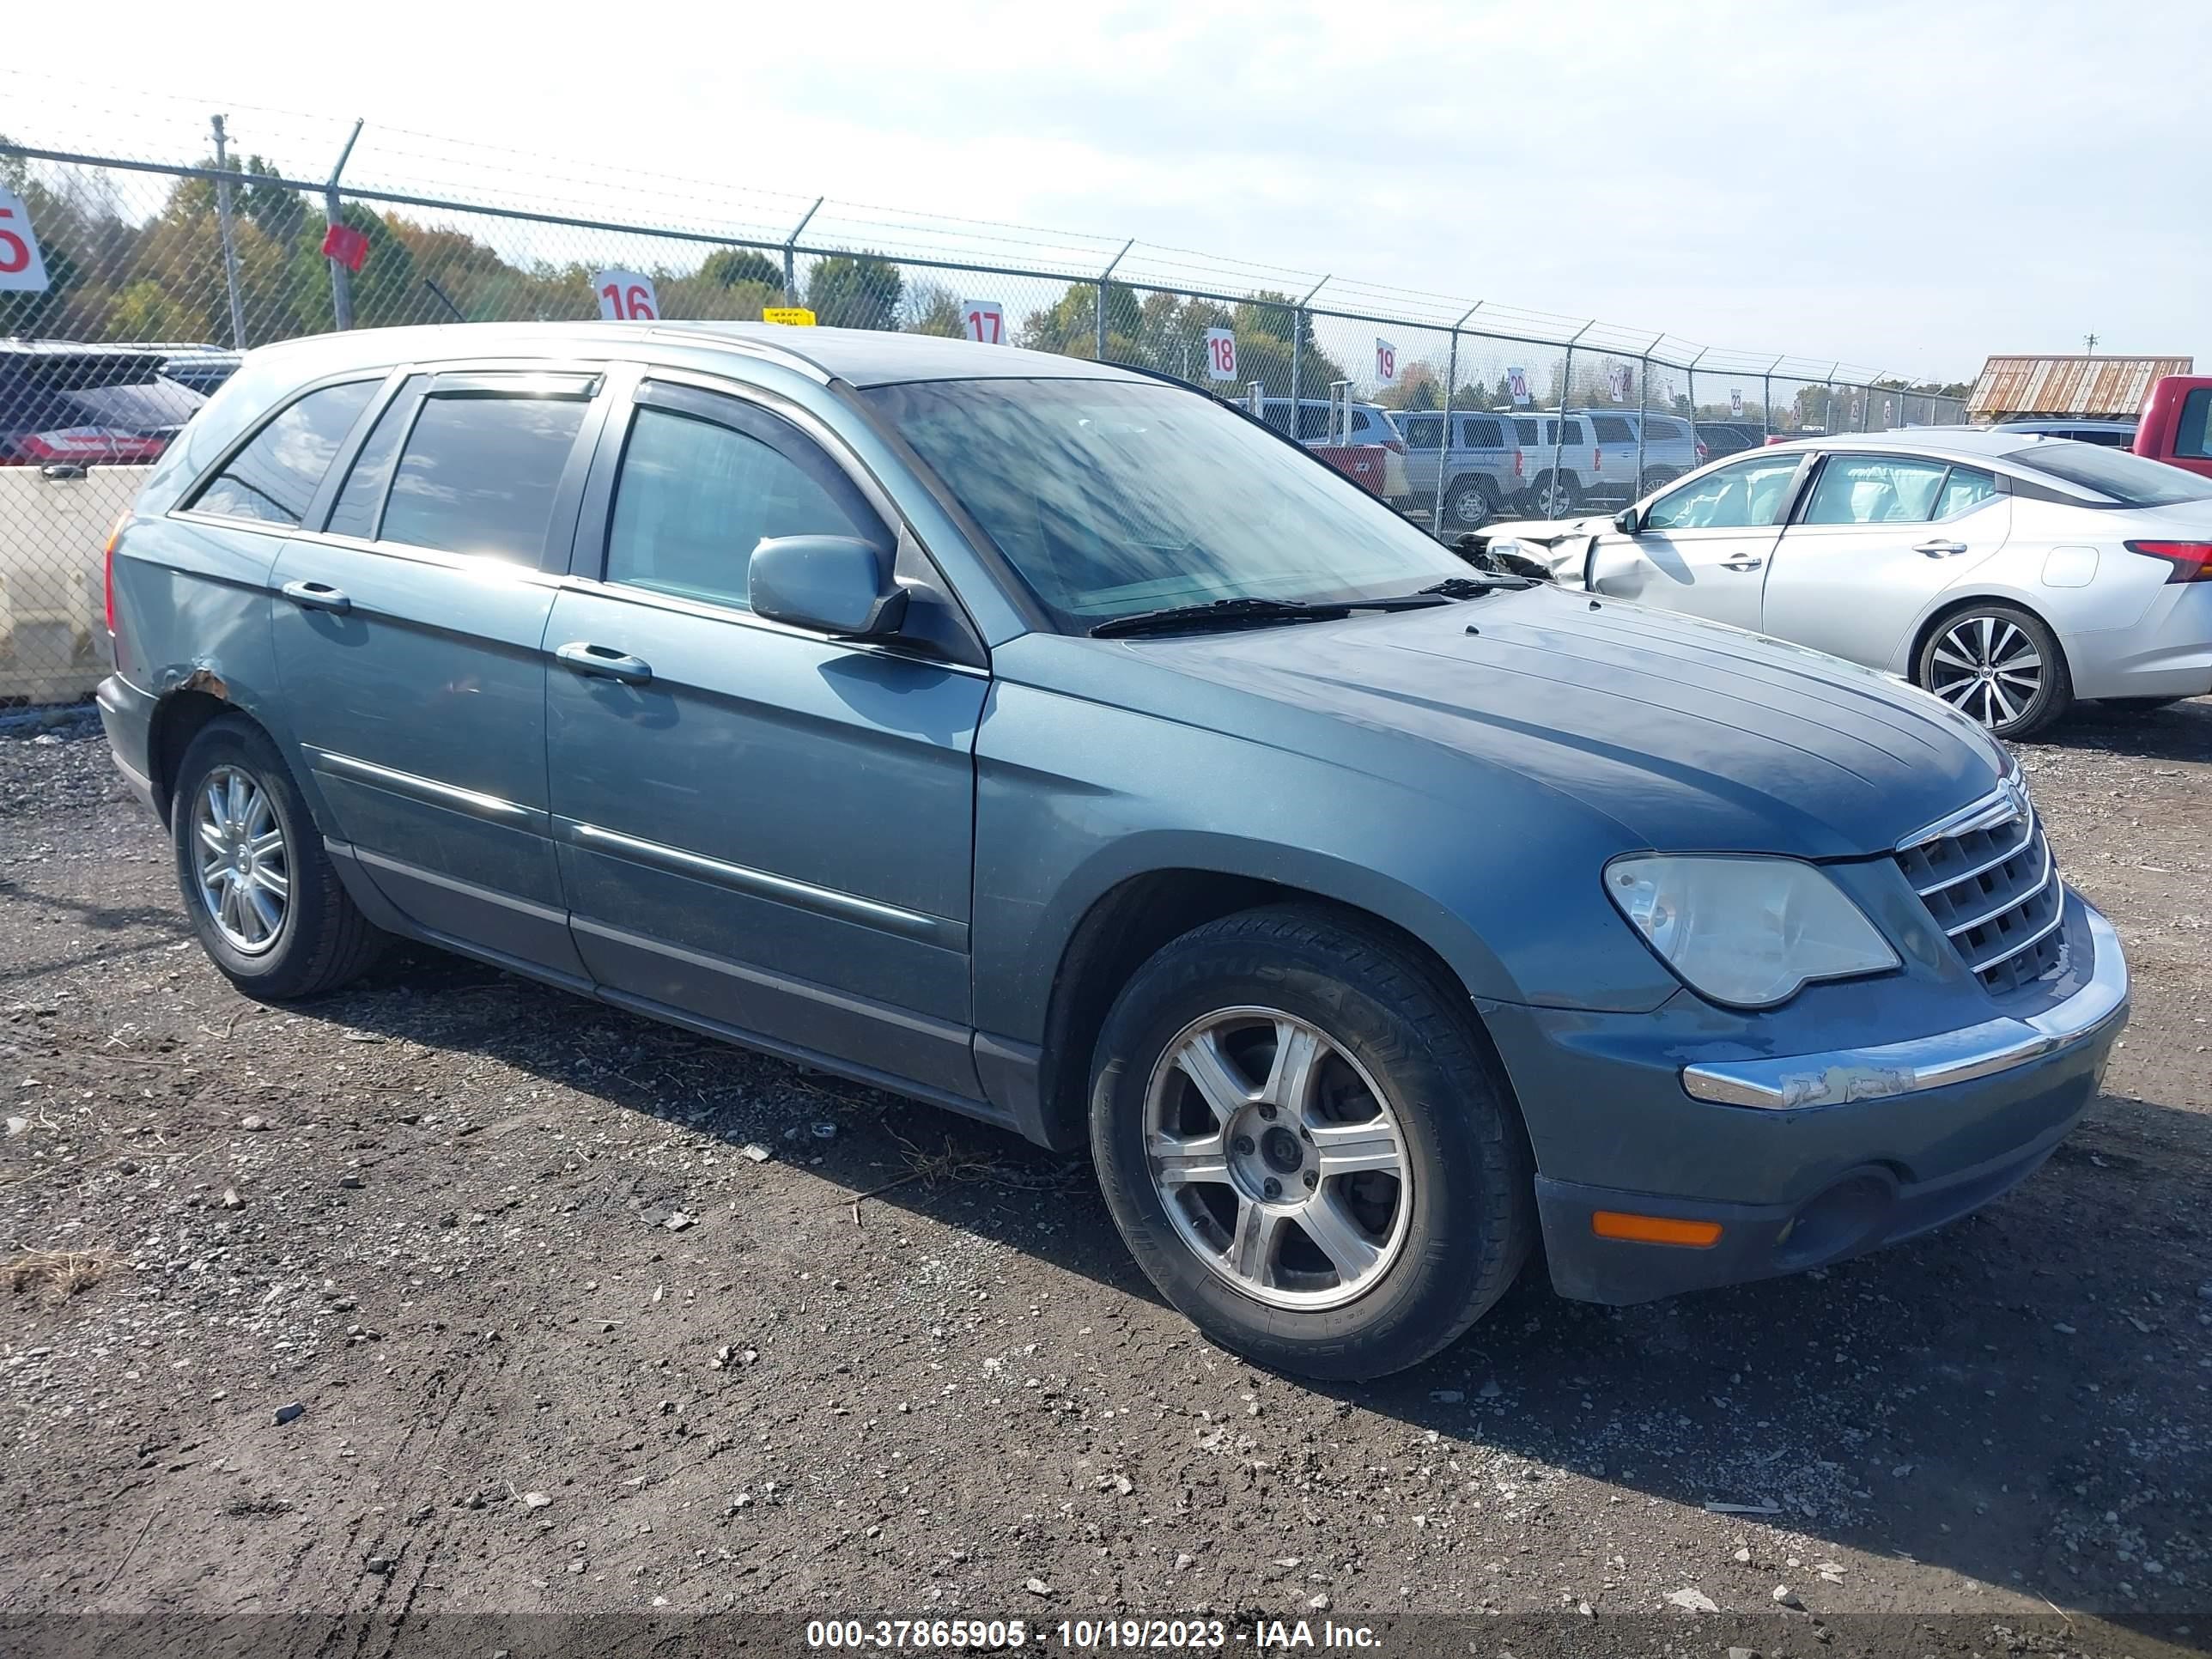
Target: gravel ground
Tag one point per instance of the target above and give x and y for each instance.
(455, 1294)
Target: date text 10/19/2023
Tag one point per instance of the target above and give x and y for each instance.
(1083, 1635)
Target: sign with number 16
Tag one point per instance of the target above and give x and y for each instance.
(21, 269)
(626, 296)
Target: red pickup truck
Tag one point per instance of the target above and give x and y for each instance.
(2176, 424)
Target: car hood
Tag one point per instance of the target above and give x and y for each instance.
(1689, 735)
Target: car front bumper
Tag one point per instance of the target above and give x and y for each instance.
(1803, 1159)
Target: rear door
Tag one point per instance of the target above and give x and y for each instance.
(408, 629)
(764, 829)
(1877, 538)
(1703, 545)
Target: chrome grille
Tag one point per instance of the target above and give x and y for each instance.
(1993, 889)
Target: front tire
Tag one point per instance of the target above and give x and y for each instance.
(1305, 1147)
(261, 892)
(1555, 496)
(1999, 664)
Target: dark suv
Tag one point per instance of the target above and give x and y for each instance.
(1040, 740)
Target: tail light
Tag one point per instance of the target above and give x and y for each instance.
(2191, 561)
(1517, 463)
(107, 567)
(1702, 451)
(1396, 446)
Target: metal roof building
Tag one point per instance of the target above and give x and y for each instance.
(2015, 388)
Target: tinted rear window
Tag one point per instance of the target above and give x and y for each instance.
(1483, 435)
(1612, 429)
(479, 474)
(274, 477)
(2128, 479)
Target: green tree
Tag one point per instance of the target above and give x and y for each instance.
(934, 308)
(855, 291)
(730, 266)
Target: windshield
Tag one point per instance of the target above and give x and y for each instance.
(2130, 480)
(1111, 498)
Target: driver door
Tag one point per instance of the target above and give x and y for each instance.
(1703, 547)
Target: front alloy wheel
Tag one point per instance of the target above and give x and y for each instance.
(1999, 665)
(1276, 1158)
(1306, 1145)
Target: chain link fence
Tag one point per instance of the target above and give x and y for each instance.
(152, 274)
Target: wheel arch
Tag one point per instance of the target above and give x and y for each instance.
(1127, 924)
(1951, 605)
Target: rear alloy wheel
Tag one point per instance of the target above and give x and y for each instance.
(2000, 665)
(1305, 1146)
(1555, 495)
(1467, 504)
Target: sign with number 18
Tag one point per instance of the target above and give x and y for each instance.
(1220, 353)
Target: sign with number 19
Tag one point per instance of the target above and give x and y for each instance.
(1386, 362)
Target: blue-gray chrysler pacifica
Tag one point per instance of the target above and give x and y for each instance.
(1057, 745)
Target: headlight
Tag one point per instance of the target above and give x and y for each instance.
(1509, 545)
(1751, 932)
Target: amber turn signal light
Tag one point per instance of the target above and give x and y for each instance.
(1656, 1229)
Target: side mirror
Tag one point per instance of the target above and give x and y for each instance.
(831, 584)
(1627, 521)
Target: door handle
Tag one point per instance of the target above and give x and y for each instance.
(1743, 564)
(1940, 549)
(604, 662)
(317, 596)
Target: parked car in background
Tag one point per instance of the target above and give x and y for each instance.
(2176, 425)
(1598, 457)
(1360, 441)
(83, 405)
(2112, 434)
(202, 368)
(1046, 742)
(1730, 437)
(2008, 574)
(1483, 467)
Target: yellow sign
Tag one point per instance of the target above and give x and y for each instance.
(796, 316)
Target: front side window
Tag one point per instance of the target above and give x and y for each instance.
(274, 477)
(694, 499)
(1482, 435)
(1423, 431)
(1875, 489)
(1743, 495)
(478, 473)
(1524, 432)
(1111, 498)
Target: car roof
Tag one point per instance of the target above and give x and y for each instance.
(858, 356)
(1969, 442)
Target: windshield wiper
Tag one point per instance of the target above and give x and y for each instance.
(1227, 613)
(1475, 587)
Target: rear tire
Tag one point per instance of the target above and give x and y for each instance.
(1554, 497)
(1656, 477)
(1997, 664)
(1406, 1201)
(1470, 504)
(260, 889)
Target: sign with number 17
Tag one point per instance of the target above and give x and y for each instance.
(1220, 353)
(985, 321)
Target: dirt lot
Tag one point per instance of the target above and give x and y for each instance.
(549, 1339)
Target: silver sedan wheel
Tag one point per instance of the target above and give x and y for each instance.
(1277, 1160)
(245, 871)
(1986, 667)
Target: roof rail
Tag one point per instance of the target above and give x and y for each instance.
(748, 344)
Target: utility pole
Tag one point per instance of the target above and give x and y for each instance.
(229, 242)
(2090, 342)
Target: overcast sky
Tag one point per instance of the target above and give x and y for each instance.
(1907, 187)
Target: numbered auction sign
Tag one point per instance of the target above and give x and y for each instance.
(1220, 353)
(1736, 402)
(1618, 381)
(1386, 362)
(1516, 384)
(626, 296)
(985, 321)
(22, 267)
